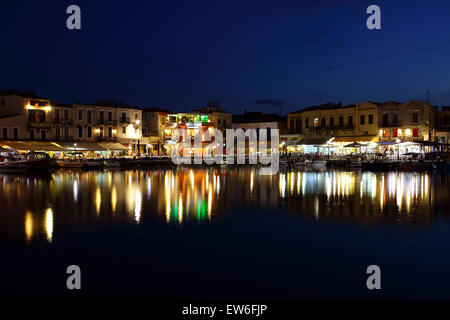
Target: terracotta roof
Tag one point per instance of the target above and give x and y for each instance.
(21, 93)
(326, 106)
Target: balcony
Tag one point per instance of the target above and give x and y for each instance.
(43, 125)
(333, 127)
(106, 122)
(125, 120)
(67, 122)
(63, 139)
(105, 139)
(390, 124)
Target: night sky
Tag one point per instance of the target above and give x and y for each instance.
(180, 54)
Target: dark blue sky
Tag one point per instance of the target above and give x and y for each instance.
(179, 54)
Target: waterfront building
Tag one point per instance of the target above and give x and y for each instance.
(413, 121)
(329, 127)
(25, 116)
(208, 118)
(26, 119)
(109, 125)
(443, 125)
(154, 122)
(258, 121)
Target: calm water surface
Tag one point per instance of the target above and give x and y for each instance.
(225, 233)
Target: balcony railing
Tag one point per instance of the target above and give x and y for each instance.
(105, 139)
(390, 124)
(70, 138)
(106, 122)
(124, 120)
(63, 121)
(35, 124)
(333, 127)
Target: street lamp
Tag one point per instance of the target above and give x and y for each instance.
(75, 145)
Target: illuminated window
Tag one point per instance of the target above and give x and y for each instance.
(395, 133)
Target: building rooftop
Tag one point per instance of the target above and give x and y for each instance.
(21, 93)
(156, 109)
(393, 102)
(254, 117)
(326, 106)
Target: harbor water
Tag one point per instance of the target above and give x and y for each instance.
(225, 233)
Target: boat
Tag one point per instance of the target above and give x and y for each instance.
(356, 164)
(37, 161)
(92, 164)
(66, 163)
(415, 165)
(379, 165)
(441, 165)
(7, 167)
(301, 163)
(111, 163)
(283, 164)
(339, 163)
(318, 164)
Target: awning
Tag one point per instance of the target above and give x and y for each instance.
(80, 146)
(313, 140)
(114, 146)
(386, 143)
(31, 145)
(355, 139)
(433, 143)
(353, 145)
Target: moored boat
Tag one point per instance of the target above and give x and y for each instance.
(6, 167)
(93, 164)
(378, 165)
(441, 165)
(38, 161)
(317, 164)
(70, 163)
(111, 163)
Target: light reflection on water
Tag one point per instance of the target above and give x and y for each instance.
(38, 207)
